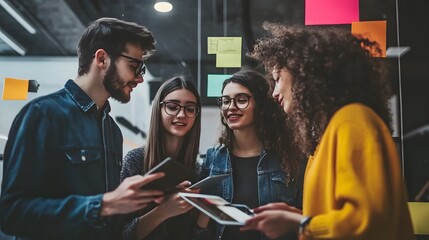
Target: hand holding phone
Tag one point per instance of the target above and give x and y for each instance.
(209, 184)
(175, 174)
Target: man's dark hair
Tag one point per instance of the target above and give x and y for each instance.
(112, 35)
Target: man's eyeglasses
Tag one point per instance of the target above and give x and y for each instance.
(173, 109)
(140, 69)
(241, 101)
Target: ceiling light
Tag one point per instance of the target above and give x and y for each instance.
(17, 17)
(163, 6)
(12, 43)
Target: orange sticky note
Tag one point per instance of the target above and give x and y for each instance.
(374, 31)
(15, 89)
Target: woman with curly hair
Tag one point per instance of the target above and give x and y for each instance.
(251, 149)
(335, 95)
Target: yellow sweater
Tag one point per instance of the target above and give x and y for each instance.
(353, 184)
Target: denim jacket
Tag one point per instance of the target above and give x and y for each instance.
(273, 184)
(61, 156)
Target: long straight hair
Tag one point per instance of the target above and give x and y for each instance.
(155, 149)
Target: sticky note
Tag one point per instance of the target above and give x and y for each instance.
(15, 89)
(229, 45)
(214, 84)
(420, 216)
(225, 60)
(374, 31)
(322, 12)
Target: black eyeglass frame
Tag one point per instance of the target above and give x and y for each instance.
(141, 67)
(197, 109)
(219, 101)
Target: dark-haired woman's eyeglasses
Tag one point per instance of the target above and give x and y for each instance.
(140, 69)
(173, 109)
(241, 101)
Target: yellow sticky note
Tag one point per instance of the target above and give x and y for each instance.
(420, 216)
(374, 31)
(231, 45)
(15, 89)
(228, 60)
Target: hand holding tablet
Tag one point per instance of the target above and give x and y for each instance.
(219, 209)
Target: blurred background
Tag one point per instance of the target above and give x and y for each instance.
(38, 40)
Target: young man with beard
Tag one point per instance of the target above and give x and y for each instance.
(63, 157)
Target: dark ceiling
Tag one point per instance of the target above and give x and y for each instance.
(59, 24)
(182, 33)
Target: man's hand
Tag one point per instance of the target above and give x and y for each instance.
(129, 195)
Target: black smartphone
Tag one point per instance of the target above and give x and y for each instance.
(209, 184)
(175, 173)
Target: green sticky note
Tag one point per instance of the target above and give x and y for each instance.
(216, 45)
(228, 60)
(214, 84)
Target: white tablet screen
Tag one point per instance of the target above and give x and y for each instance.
(234, 213)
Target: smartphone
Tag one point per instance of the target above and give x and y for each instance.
(175, 173)
(209, 182)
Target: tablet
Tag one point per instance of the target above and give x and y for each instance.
(218, 208)
(175, 173)
(209, 184)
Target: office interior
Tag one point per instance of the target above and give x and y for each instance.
(38, 40)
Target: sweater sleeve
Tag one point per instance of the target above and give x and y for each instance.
(132, 165)
(360, 180)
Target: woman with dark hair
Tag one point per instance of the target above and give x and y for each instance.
(335, 95)
(174, 131)
(251, 149)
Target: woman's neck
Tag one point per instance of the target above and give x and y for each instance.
(172, 145)
(246, 143)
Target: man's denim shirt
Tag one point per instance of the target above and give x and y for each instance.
(273, 184)
(62, 154)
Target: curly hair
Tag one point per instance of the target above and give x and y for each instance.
(330, 68)
(268, 116)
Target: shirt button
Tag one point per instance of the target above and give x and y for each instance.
(83, 158)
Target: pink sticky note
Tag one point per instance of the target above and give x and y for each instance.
(323, 12)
